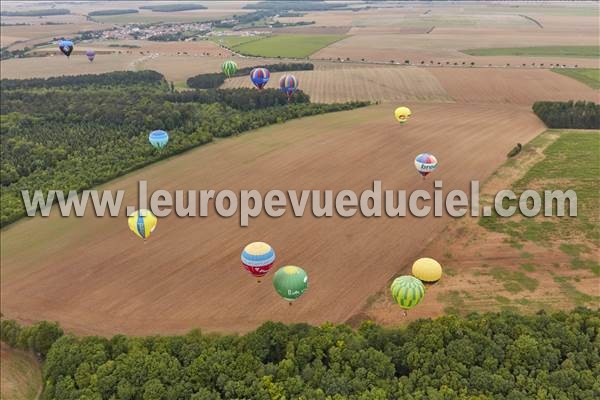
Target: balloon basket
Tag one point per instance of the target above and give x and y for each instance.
(290, 303)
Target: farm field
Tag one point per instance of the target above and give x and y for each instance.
(21, 377)
(233, 41)
(293, 46)
(56, 65)
(547, 51)
(517, 86)
(348, 84)
(589, 76)
(193, 277)
(462, 85)
(522, 265)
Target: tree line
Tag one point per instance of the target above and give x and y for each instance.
(95, 128)
(117, 78)
(482, 356)
(214, 80)
(36, 13)
(568, 114)
(121, 11)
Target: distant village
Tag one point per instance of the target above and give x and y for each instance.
(170, 31)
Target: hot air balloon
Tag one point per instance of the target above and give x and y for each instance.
(229, 68)
(427, 270)
(158, 139)
(407, 291)
(258, 258)
(260, 77)
(91, 54)
(402, 114)
(290, 282)
(425, 163)
(66, 47)
(288, 85)
(142, 223)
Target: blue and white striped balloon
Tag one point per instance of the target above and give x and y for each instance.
(158, 139)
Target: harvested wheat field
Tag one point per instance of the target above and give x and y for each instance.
(374, 84)
(58, 64)
(93, 276)
(517, 86)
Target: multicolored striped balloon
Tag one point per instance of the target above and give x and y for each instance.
(288, 84)
(407, 291)
(260, 77)
(142, 223)
(158, 139)
(229, 68)
(425, 163)
(258, 258)
(290, 282)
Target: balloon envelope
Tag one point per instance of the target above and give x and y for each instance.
(427, 270)
(402, 114)
(290, 282)
(158, 139)
(288, 84)
(258, 258)
(229, 68)
(407, 291)
(425, 163)
(66, 47)
(260, 77)
(142, 223)
(91, 54)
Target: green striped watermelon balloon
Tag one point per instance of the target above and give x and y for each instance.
(229, 68)
(290, 282)
(407, 291)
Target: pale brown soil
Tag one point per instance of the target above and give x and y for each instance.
(94, 276)
(520, 86)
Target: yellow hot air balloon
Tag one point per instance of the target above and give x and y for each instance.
(402, 114)
(142, 223)
(427, 270)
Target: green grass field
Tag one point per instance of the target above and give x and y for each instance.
(233, 41)
(572, 161)
(542, 51)
(589, 76)
(293, 46)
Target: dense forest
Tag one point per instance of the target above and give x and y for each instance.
(174, 7)
(36, 13)
(569, 114)
(72, 133)
(482, 356)
(214, 80)
(291, 5)
(117, 11)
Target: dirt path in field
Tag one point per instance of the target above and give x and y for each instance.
(93, 276)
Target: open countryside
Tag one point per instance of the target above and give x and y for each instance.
(330, 307)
